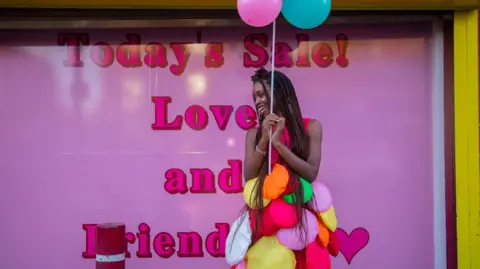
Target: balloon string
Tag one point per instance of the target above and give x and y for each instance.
(271, 95)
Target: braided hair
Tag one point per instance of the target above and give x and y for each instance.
(286, 105)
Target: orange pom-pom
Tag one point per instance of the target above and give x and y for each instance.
(276, 182)
(323, 237)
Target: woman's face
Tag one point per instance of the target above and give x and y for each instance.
(261, 100)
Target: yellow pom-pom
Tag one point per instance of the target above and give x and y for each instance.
(249, 193)
(268, 253)
(329, 218)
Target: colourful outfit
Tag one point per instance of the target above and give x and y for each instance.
(280, 243)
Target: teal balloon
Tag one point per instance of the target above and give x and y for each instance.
(306, 14)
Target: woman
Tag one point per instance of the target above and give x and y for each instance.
(304, 154)
(296, 141)
(296, 145)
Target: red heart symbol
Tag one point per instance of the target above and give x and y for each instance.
(351, 244)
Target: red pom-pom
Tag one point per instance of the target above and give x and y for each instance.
(317, 257)
(266, 228)
(288, 190)
(283, 214)
(293, 182)
(300, 259)
(333, 245)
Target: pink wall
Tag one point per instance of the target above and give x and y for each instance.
(77, 144)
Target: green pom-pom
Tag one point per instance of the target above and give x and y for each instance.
(307, 193)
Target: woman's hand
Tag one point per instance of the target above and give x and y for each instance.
(269, 121)
(279, 127)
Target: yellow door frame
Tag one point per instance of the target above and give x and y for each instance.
(467, 189)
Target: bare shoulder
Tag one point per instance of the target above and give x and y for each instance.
(315, 128)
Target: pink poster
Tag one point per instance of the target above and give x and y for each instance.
(97, 123)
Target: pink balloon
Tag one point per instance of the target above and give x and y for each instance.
(295, 238)
(259, 13)
(323, 198)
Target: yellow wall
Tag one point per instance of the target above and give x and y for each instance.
(466, 138)
(219, 4)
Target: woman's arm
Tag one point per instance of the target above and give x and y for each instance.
(253, 159)
(307, 169)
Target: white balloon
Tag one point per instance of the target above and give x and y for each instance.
(238, 240)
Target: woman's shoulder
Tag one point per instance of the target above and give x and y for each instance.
(313, 126)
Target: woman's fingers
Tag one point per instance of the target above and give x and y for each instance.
(274, 116)
(273, 121)
(271, 116)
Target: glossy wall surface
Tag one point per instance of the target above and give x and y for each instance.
(86, 145)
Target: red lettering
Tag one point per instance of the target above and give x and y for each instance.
(196, 117)
(257, 50)
(322, 55)
(303, 58)
(215, 242)
(102, 54)
(73, 43)
(190, 245)
(143, 236)
(246, 117)
(176, 181)
(164, 245)
(156, 55)
(203, 179)
(214, 55)
(129, 239)
(222, 115)
(342, 44)
(90, 231)
(182, 54)
(161, 115)
(283, 55)
(230, 179)
(90, 234)
(128, 53)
